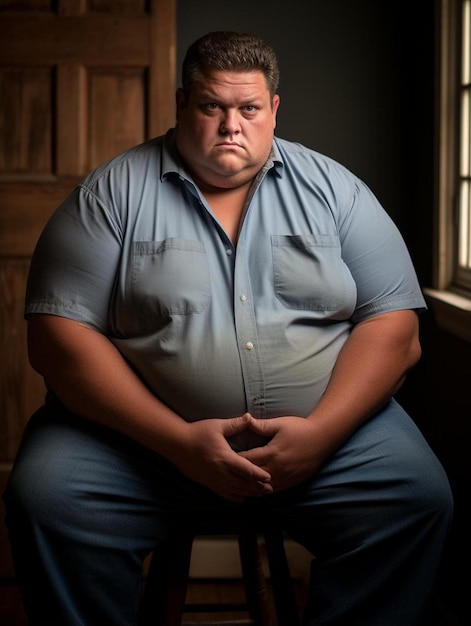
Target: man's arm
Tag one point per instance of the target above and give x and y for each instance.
(92, 379)
(370, 368)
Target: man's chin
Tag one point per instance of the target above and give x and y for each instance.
(233, 179)
(237, 171)
(225, 174)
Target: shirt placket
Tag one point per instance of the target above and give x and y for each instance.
(247, 336)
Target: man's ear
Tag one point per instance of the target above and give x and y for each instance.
(274, 107)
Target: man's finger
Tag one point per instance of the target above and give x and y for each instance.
(246, 469)
(266, 427)
(235, 425)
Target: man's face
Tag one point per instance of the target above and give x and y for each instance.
(225, 127)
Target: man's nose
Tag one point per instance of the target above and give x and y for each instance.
(230, 123)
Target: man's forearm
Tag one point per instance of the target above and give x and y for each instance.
(92, 379)
(369, 370)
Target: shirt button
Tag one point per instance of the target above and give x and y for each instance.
(249, 345)
(243, 298)
(228, 252)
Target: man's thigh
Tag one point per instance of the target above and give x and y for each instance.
(98, 487)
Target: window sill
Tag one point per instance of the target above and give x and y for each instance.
(452, 311)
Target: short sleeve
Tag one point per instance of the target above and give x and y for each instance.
(378, 259)
(74, 264)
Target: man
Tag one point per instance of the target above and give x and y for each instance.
(222, 319)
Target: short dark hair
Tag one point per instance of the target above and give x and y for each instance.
(230, 51)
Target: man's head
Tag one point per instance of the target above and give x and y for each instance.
(226, 110)
(231, 52)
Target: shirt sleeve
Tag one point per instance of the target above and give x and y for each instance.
(378, 259)
(74, 264)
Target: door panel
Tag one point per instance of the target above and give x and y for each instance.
(80, 81)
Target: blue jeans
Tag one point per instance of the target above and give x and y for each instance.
(85, 505)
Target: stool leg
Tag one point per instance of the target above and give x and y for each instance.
(163, 602)
(283, 594)
(254, 580)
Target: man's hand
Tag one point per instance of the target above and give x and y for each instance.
(293, 453)
(205, 456)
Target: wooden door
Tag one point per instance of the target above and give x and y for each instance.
(80, 81)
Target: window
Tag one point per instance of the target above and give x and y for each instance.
(464, 198)
(451, 296)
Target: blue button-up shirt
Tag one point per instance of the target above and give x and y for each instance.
(215, 329)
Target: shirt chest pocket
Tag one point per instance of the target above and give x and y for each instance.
(169, 277)
(309, 273)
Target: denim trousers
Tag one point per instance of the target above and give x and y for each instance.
(85, 505)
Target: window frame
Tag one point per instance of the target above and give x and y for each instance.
(450, 296)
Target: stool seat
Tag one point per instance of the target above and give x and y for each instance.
(164, 598)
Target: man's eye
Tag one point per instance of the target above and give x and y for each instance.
(212, 106)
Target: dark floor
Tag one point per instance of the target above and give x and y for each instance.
(229, 592)
(11, 609)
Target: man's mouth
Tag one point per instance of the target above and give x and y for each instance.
(230, 144)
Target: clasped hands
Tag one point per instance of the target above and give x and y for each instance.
(289, 457)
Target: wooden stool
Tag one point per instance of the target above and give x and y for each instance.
(164, 599)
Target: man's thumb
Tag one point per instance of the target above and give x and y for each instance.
(262, 427)
(238, 424)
